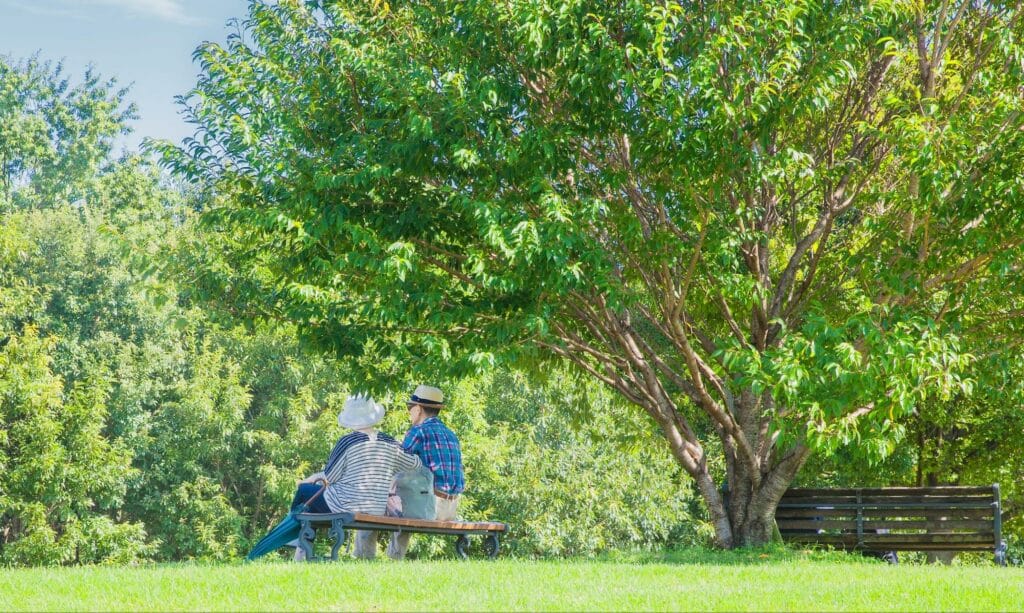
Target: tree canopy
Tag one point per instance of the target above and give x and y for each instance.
(55, 134)
(778, 224)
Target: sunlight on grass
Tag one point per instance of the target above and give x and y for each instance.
(683, 580)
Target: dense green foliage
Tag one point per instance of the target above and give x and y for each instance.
(137, 423)
(58, 474)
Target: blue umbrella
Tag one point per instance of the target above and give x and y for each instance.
(284, 532)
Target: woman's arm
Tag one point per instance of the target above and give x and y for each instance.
(406, 460)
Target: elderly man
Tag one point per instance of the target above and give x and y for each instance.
(358, 472)
(438, 448)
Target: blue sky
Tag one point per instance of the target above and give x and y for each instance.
(146, 43)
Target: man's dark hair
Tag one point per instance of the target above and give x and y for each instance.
(430, 411)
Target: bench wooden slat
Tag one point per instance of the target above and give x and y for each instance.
(881, 514)
(875, 543)
(894, 525)
(950, 490)
(887, 539)
(429, 523)
(825, 500)
(897, 506)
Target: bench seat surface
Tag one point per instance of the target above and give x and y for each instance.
(405, 522)
(430, 523)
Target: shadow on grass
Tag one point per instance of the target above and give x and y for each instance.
(749, 556)
(774, 554)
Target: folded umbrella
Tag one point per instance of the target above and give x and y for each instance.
(284, 532)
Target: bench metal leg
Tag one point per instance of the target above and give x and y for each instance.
(493, 545)
(337, 532)
(461, 544)
(306, 537)
(1001, 553)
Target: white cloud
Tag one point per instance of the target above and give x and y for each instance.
(37, 9)
(166, 10)
(172, 11)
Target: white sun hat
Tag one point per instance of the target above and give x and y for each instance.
(360, 411)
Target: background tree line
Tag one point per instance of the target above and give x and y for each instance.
(140, 422)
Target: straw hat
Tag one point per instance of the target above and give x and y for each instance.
(360, 411)
(427, 396)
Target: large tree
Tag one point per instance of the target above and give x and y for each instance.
(764, 222)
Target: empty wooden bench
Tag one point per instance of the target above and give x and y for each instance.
(336, 525)
(953, 518)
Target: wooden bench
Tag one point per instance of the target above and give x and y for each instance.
(952, 518)
(336, 525)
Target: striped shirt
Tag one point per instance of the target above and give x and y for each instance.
(360, 469)
(438, 448)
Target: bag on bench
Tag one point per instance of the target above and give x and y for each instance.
(415, 490)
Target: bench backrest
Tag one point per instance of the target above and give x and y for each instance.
(894, 518)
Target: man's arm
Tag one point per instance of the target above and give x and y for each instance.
(413, 442)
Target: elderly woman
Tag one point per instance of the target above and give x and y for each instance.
(358, 472)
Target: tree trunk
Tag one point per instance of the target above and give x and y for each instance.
(758, 473)
(717, 505)
(752, 507)
(759, 528)
(756, 485)
(742, 521)
(742, 511)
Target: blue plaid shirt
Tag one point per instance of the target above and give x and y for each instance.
(438, 447)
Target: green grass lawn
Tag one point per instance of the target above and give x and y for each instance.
(684, 581)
